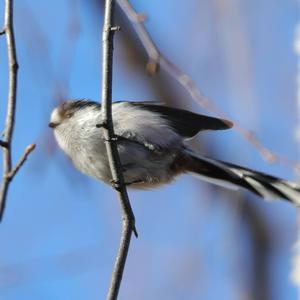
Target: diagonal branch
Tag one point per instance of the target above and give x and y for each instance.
(157, 60)
(11, 106)
(21, 161)
(128, 220)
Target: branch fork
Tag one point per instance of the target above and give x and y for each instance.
(20, 163)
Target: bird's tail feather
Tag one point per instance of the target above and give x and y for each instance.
(233, 176)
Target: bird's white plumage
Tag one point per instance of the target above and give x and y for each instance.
(151, 150)
(140, 151)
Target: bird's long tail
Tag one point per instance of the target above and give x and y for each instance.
(234, 176)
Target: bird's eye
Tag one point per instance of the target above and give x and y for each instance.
(69, 115)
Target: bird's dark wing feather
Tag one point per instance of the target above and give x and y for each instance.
(185, 123)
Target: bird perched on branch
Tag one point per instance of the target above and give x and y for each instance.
(151, 145)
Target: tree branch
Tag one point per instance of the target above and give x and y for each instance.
(21, 161)
(128, 220)
(11, 107)
(157, 60)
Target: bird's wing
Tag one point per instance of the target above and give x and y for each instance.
(185, 123)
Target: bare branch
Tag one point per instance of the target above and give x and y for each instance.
(21, 161)
(128, 220)
(11, 106)
(158, 60)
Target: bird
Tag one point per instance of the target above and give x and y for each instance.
(152, 144)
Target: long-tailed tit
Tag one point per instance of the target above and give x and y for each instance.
(150, 140)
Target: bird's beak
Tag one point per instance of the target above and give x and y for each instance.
(52, 124)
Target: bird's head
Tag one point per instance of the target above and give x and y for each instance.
(67, 111)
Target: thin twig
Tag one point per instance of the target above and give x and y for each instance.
(128, 220)
(157, 60)
(11, 106)
(21, 161)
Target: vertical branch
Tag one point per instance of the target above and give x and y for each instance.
(11, 103)
(295, 275)
(128, 221)
(8, 172)
(261, 243)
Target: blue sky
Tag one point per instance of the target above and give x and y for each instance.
(61, 230)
